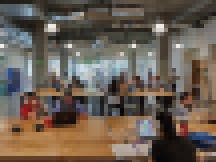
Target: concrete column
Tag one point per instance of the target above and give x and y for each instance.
(40, 48)
(164, 58)
(63, 65)
(74, 61)
(132, 63)
(25, 71)
(204, 93)
(212, 72)
(188, 57)
(39, 56)
(212, 77)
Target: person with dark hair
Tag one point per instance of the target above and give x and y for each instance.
(30, 106)
(183, 110)
(76, 83)
(67, 113)
(30, 109)
(173, 79)
(113, 87)
(55, 82)
(170, 147)
(114, 98)
(149, 85)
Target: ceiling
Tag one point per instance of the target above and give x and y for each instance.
(121, 20)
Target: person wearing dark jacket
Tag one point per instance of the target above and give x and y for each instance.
(67, 114)
(171, 148)
(114, 98)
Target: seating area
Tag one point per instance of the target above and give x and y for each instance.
(116, 80)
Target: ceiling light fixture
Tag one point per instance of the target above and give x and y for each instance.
(82, 14)
(159, 28)
(121, 53)
(133, 45)
(149, 53)
(51, 28)
(77, 53)
(179, 46)
(68, 45)
(2, 45)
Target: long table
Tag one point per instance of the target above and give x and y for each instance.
(89, 139)
(82, 92)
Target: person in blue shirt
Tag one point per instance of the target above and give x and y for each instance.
(56, 83)
(81, 111)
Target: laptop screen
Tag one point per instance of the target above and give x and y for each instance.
(146, 128)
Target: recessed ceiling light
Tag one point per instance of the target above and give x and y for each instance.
(179, 46)
(77, 53)
(149, 53)
(133, 45)
(121, 53)
(158, 28)
(82, 13)
(68, 45)
(51, 28)
(2, 45)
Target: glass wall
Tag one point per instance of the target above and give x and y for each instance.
(144, 64)
(96, 71)
(54, 64)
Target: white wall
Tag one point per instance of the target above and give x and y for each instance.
(13, 59)
(192, 38)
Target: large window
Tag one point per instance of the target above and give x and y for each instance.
(98, 70)
(54, 65)
(143, 64)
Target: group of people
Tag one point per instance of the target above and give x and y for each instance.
(120, 85)
(54, 110)
(67, 109)
(32, 105)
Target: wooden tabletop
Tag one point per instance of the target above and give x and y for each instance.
(89, 138)
(82, 92)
